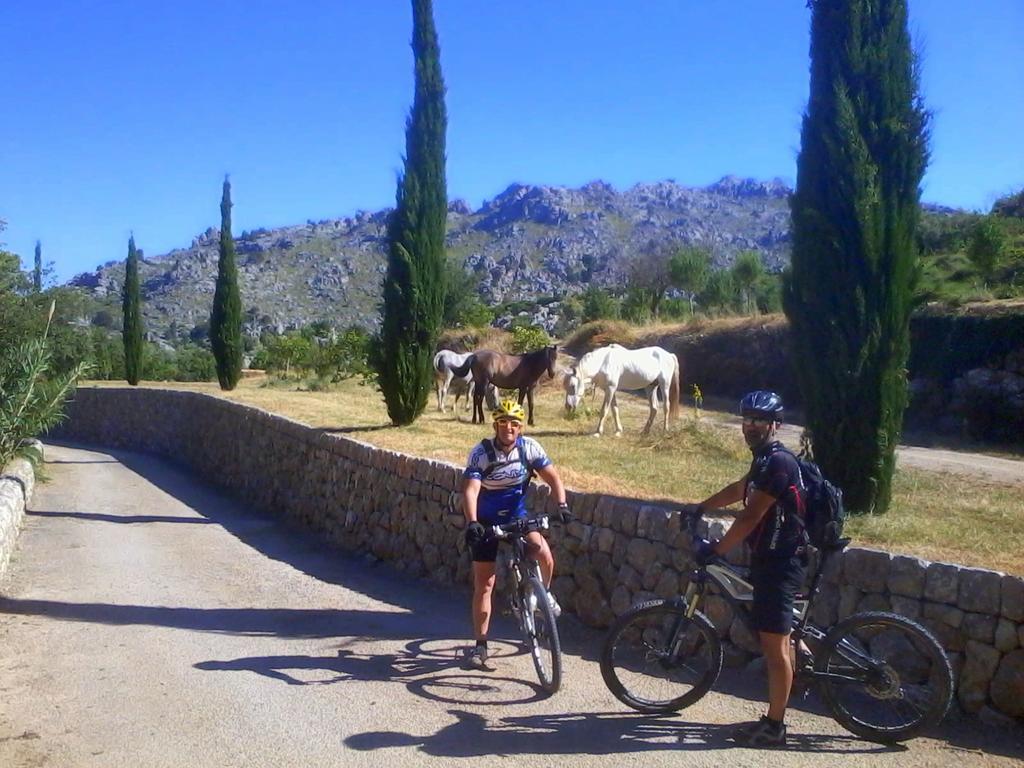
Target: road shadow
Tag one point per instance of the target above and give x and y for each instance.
(284, 541)
(278, 622)
(587, 733)
(126, 519)
(431, 668)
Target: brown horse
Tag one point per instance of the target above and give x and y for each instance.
(509, 372)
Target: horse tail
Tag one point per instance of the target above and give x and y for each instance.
(465, 368)
(439, 362)
(673, 389)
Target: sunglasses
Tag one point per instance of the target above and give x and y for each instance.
(508, 423)
(755, 421)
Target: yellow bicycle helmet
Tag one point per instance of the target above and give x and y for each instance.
(509, 409)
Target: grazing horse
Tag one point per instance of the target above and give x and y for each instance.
(508, 372)
(444, 361)
(614, 367)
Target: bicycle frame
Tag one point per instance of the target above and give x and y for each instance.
(739, 593)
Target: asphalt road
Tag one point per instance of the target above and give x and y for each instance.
(149, 621)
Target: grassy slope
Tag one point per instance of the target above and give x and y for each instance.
(936, 516)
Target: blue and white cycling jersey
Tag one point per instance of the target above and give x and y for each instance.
(501, 495)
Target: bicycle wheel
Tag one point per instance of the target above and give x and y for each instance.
(888, 677)
(537, 622)
(657, 659)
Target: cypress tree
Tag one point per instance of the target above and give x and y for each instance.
(226, 315)
(849, 292)
(414, 287)
(131, 326)
(37, 272)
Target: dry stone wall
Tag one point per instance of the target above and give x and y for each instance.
(17, 481)
(617, 551)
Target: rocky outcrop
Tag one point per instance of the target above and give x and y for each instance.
(526, 242)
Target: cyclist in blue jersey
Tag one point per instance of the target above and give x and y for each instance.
(772, 497)
(494, 487)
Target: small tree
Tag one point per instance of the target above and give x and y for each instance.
(986, 246)
(719, 292)
(747, 270)
(131, 317)
(649, 273)
(37, 272)
(226, 315)
(598, 304)
(689, 269)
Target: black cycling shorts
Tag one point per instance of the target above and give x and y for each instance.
(485, 551)
(776, 580)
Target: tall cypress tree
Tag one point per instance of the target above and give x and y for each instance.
(226, 315)
(37, 272)
(849, 293)
(131, 326)
(414, 287)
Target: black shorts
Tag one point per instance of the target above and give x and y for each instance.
(485, 551)
(776, 580)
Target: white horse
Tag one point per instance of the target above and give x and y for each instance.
(444, 361)
(614, 367)
(447, 383)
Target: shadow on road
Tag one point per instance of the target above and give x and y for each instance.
(99, 517)
(588, 733)
(432, 669)
(280, 622)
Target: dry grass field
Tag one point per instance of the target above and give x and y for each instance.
(934, 515)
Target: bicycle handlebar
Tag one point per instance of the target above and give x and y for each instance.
(520, 527)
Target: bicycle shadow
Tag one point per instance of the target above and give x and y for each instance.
(432, 668)
(588, 733)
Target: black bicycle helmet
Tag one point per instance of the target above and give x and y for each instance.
(762, 403)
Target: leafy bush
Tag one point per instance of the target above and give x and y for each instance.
(31, 402)
(529, 338)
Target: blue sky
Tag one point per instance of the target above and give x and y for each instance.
(119, 117)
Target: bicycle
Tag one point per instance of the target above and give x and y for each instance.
(528, 600)
(883, 676)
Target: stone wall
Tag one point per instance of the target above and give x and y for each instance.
(618, 551)
(17, 480)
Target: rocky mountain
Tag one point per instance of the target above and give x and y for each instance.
(529, 241)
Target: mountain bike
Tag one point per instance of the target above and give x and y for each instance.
(883, 676)
(528, 600)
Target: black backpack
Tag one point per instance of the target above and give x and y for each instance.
(824, 515)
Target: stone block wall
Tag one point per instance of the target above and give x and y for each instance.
(617, 551)
(17, 481)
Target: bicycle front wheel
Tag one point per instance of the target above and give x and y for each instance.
(657, 659)
(540, 632)
(885, 677)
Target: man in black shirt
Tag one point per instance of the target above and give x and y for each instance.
(769, 523)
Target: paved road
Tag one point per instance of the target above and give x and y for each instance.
(149, 621)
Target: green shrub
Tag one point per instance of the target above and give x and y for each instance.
(529, 338)
(31, 401)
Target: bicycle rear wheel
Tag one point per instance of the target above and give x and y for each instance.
(540, 632)
(657, 659)
(889, 678)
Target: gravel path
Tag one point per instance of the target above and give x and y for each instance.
(149, 621)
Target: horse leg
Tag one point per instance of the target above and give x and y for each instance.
(478, 403)
(652, 401)
(529, 401)
(442, 394)
(665, 401)
(615, 413)
(609, 395)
